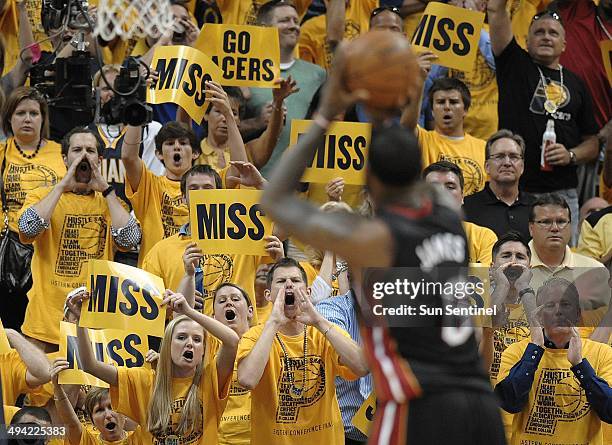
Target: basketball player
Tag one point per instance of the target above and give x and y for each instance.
(413, 229)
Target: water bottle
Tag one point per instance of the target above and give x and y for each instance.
(548, 138)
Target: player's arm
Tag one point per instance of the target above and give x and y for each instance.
(335, 17)
(355, 239)
(91, 365)
(129, 156)
(36, 363)
(500, 25)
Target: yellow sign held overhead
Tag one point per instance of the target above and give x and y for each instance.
(249, 56)
(343, 153)
(112, 346)
(123, 297)
(229, 221)
(182, 72)
(450, 32)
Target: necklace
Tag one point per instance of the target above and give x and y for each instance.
(24, 154)
(294, 391)
(550, 105)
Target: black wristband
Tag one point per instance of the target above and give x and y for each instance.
(527, 290)
(108, 191)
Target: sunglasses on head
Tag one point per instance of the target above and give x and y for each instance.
(380, 9)
(546, 14)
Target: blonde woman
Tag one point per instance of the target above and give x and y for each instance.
(182, 401)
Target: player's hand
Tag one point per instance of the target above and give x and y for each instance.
(191, 258)
(336, 97)
(557, 154)
(334, 189)
(574, 352)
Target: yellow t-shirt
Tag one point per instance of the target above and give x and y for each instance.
(22, 175)
(159, 206)
(133, 393)
(278, 418)
(244, 12)
(211, 157)
(89, 437)
(558, 411)
(481, 118)
(312, 45)
(79, 230)
(165, 260)
(263, 313)
(9, 29)
(9, 412)
(311, 275)
(596, 240)
(13, 373)
(480, 243)
(235, 426)
(468, 153)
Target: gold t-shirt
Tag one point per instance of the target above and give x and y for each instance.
(278, 418)
(480, 243)
(244, 12)
(467, 152)
(13, 373)
(133, 393)
(22, 175)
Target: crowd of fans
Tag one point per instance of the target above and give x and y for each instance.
(268, 349)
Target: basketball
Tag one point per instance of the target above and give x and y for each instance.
(382, 63)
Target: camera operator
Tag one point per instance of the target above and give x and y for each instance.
(65, 75)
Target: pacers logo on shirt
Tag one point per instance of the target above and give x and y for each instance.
(314, 387)
(559, 398)
(481, 76)
(472, 172)
(174, 214)
(555, 92)
(21, 179)
(83, 238)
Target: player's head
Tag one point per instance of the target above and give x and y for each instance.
(450, 101)
(200, 177)
(550, 222)
(232, 307)
(100, 411)
(448, 175)
(505, 153)
(176, 146)
(288, 276)
(386, 17)
(546, 37)
(282, 15)
(394, 162)
(559, 305)
(26, 115)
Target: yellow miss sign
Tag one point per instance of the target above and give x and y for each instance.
(228, 221)
(113, 346)
(451, 33)
(182, 72)
(343, 152)
(123, 297)
(249, 56)
(364, 417)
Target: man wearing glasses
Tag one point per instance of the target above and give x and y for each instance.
(550, 228)
(501, 206)
(533, 88)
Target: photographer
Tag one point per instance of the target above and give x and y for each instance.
(77, 220)
(28, 161)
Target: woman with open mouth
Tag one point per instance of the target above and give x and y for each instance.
(109, 424)
(183, 399)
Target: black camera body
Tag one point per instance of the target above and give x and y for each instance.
(130, 106)
(56, 13)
